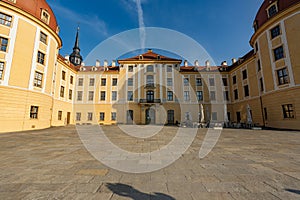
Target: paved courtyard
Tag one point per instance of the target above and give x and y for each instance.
(244, 164)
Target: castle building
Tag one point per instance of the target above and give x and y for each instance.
(39, 88)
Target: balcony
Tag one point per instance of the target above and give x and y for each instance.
(145, 101)
(150, 86)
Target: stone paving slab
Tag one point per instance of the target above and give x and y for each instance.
(245, 164)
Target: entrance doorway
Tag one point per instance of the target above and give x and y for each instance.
(129, 117)
(150, 116)
(68, 117)
(171, 117)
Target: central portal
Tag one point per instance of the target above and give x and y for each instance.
(150, 116)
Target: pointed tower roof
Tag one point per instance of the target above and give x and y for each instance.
(75, 57)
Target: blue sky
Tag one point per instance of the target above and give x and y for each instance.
(223, 28)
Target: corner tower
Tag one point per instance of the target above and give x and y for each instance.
(75, 57)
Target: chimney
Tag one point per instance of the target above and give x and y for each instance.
(185, 63)
(113, 64)
(224, 63)
(67, 57)
(233, 60)
(82, 64)
(105, 63)
(97, 63)
(196, 63)
(207, 63)
(149, 50)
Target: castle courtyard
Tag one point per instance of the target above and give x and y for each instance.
(245, 164)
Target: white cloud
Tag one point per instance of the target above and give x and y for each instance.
(93, 21)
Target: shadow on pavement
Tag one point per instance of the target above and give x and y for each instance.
(130, 192)
(293, 191)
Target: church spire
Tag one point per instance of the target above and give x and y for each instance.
(75, 57)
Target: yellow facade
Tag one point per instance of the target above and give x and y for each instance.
(39, 88)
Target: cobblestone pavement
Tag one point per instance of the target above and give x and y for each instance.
(245, 164)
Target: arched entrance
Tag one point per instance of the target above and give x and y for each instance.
(150, 116)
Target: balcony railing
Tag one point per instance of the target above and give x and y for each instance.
(150, 101)
(150, 85)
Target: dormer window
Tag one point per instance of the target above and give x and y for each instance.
(45, 17)
(13, 1)
(272, 10)
(158, 57)
(141, 57)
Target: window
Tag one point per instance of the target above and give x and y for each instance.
(169, 68)
(212, 95)
(199, 95)
(3, 44)
(59, 115)
(186, 96)
(170, 96)
(102, 116)
(211, 82)
(62, 91)
(225, 82)
(288, 111)
(275, 31)
(113, 116)
(214, 116)
(150, 80)
(71, 79)
(261, 83)
(150, 96)
(63, 75)
(272, 10)
(103, 81)
(45, 17)
(282, 76)
(226, 95)
(186, 81)
(114, 82)
(169, 82)
(43, 37)
(102, 96)
(78, 116)
(92, 82)
(130, 68)
(34, 112)
(79, 95)
(114, 95)
(41, 58)
(5, 19)
(129, 96)
(91, 95)
(234, 79)
(80, 82)
(90, 116)
(236, 94)
(130, 82)
(1, 69)
(244, 74)
(150, 68)
(70, 94)
(246, 90)
(258, 65)
(198, 82)
(38, 78)
(278, 53)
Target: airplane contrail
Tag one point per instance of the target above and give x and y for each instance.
(141, 23)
